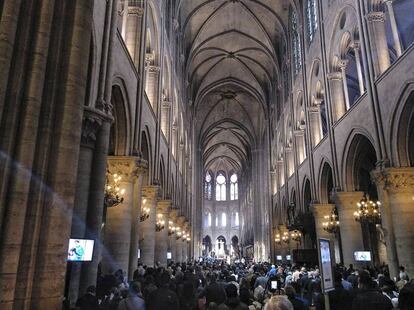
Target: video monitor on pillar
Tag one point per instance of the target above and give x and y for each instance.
(362, 256)
(80, 250)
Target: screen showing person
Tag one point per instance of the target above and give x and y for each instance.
(362, 256)
(273, 285)
(80, 250)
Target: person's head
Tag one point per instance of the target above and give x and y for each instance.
(91, 290)
(231, 290)
(135, 288)
(365, 280)
(406, 297)
(245, 295)
(290, 291)
(278, 302)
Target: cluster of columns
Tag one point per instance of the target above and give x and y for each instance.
(396, 193)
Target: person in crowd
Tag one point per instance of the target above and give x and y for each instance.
(368, 296)
(340, 298)
(278, 302)
(134, 299)
(233, 301)
(89, 300)
(406, 297)
(297, 302)
(163, 297)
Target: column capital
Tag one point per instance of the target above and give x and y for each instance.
(134, 10)
(151, 192)
(335, 76)
(375, 17)
(164, 206)
(153, 69)
(126, 166)
(347, 200)
(395, 179)
(173, 214)
(320, 210)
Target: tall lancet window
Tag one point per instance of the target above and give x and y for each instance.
(296, 45)
(223, 219)
(312, 19)
(207, 187)
(234, 187)
(221, 187)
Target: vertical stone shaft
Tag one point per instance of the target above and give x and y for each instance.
(172, 242)
(133, 32)
(351, 232)
(161, 241)
(49, 277)
(136, 214)
(151, 196)
(337, 95)
(179, 243)
(119, 218)
(376, 22)
(17, 203)
(96, 203)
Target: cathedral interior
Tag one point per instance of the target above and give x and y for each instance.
(151, 131)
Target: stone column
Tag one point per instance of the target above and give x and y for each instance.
(342, 66)
(337, 94)
(96, 204)
(119, 218)
(319, 212)
(172, 241)
(315, 121)
(165, 119)
(399, 184)
(359, 67)
(179, 243)
(300, 146)
(147, 246)
(394, 28)
(91, 124)
(161, 237)
(133, 32)
(351, 232)
(142, 167)
(151, 86)
(376, 21)
(184, 243)
(386, 222)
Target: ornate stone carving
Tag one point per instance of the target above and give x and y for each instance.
(90, 126)
(376, 17)
(127, 167)
(137, 11)
(164, 206)
(175, 24)
(153, 69)
(399, 179)
(151, 192)
(332, 76)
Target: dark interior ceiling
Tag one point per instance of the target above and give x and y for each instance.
(232, 51)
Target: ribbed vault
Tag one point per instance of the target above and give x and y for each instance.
(232, 67)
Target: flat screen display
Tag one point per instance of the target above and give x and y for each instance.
(325, 259)
(80, 250)
(279, 257)
(362, 256)
(169, 256)
(288, 257)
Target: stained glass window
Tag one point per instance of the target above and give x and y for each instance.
(223, 219)
(236, 220)
(221, 187)
(208, 187)
(234, 188)
(296, 45)
(311, 18)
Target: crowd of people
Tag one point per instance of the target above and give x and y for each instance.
(215, 285)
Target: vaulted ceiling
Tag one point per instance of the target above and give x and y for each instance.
(232, 65)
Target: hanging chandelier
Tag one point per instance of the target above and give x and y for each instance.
(368, 211)
(145, 212)
(296, 235)
(277, 239)
(178, 234)
(160, 225)
(285, 237)
(331, 223)
(113, 192)
(171, 228)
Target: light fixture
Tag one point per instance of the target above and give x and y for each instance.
(171, 228)
(296, 235)
(285, 237)
(113, 192)
(277, 239)
(144, 214)
(368, 211)
(178, 234)
(331, 223)
(160, 225)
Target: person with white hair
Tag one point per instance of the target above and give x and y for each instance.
(278, 302)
